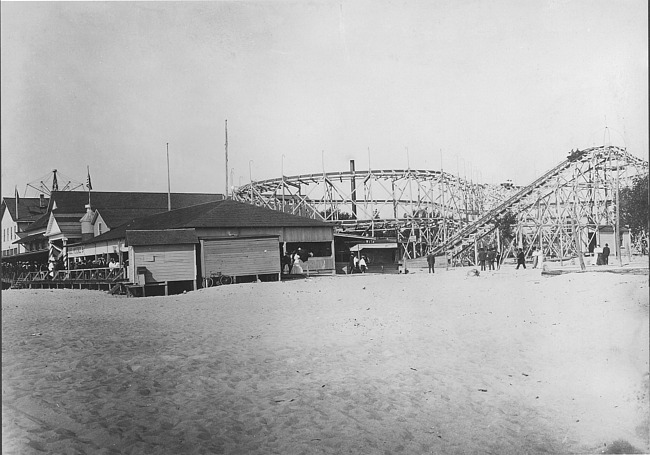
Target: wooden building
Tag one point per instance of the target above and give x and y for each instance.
(68, 218)
(180, 247)
(18, 214)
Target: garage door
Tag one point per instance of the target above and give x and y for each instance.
(241, 256)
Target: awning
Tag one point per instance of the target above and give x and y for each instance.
(28, 256)
(30, 238)
(373, 246)
(353, 236)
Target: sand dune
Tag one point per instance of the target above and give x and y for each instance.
(509, 362)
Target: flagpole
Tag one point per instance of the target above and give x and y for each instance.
(16, 196)
(169, 188)
(88, 183)
(226, 158)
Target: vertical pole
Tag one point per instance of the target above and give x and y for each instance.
(226, 158)
(250, 175)
(574, 221)
(169, 188)
(444, 211)
(353, 189)
(499, 245)
(282, 183)
(617, 234)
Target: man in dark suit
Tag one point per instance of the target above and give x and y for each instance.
(431, 260)
(606, 254)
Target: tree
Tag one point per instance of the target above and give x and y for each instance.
(505, 224)
(633, 203)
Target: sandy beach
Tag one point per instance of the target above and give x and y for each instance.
(509, 362)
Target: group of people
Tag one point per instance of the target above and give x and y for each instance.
(13, 270)
(95, 263)
(601, 255)
(357, 264)
(293, 263)
(490, 257)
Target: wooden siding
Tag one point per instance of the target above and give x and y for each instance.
(165, 262)
(241, 257)
(319, 265)
(285, 234)
(311, 234)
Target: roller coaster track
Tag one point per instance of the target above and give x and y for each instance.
(432, 210)
(486, 223)
(597, 158)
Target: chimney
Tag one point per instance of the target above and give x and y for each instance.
(87, 231)
(353, 190)
(41, 202)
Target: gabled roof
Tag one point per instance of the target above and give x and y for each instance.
(166, 237)
(221, 214)
(75, 201)
(119, 207)
(117, 217)
(28, 208)
(31, 238)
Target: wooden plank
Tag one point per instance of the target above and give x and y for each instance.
(170, 262)
(241, 257)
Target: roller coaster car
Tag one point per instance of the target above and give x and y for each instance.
(576, 155)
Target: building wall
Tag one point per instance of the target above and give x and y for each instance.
(10, 235)
(285, 234)
(240, 257)
(163, 262)
(100, 227)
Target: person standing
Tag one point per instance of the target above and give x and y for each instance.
(606, 254)
(431, 260)
(481, 259)
(535, 255)
(598, 256)
(491, 255)
(351, 263)
(362, 264)
(497, 257)
(521, 259)
(296, 269)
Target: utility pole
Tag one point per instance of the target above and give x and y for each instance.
(169, 188)
(226, 158)
(617, 234)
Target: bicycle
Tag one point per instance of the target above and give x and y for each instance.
(216, 279)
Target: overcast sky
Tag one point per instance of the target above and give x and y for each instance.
(502, 88)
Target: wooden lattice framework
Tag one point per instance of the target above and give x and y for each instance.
(430, 210)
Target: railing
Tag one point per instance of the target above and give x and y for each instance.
(104, 274)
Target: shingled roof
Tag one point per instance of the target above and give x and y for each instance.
(221, 214)
(119, 207)
(166, 237)
(29, 208)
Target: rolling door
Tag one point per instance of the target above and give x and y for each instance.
(241, 257)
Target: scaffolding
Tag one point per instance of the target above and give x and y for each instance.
(436, 211)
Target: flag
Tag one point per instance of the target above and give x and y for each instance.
(88, 182)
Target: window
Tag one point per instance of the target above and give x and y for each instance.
(100, 228)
